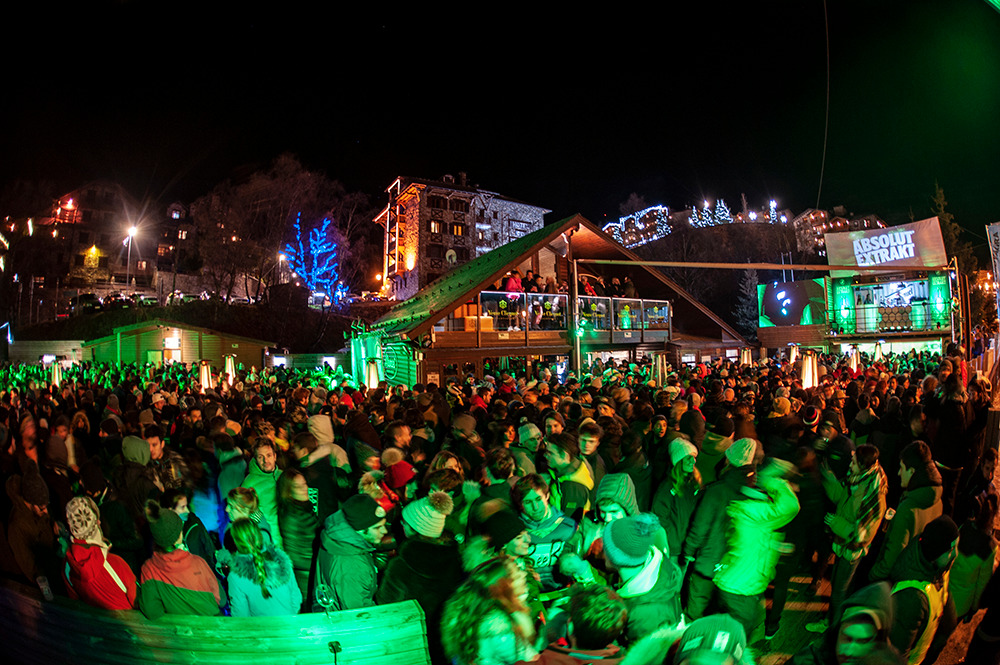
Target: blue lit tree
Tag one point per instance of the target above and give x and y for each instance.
(722, 214)
(314, 258)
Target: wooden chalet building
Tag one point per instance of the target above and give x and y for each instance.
(464, 323)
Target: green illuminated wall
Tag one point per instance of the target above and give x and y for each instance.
(940, 297)
(840, 295)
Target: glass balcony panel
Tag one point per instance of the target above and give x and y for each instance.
(628, 313)
(595, 312)
(548, 311)
(503, 311)
(656, 314)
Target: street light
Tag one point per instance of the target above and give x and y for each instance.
(128, 265)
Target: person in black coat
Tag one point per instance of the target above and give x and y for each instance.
(299, 524)
(428, 568)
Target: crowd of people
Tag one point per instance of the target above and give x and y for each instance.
(601, 517)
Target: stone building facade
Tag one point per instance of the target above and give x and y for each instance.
(432, 226)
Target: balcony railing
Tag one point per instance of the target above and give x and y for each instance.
(500, 311)
(918, 316)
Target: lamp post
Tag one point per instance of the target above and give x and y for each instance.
(128, 265)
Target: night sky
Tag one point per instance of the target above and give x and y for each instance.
(572, 111)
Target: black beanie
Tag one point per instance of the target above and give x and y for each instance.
(502, 527)
(937, 537)
(33, 488)
(361, 511)
(92, 478)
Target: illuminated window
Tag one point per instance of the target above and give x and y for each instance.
(436, 226)
(176, 214)
(182, 235)
(140, 265)
(458, 229)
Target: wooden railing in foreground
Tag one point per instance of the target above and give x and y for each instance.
(65, 631)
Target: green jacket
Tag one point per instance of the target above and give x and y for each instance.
(753, 540)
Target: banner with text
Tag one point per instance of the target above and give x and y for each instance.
(915, 244)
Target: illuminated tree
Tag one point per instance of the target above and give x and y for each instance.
(314, 258)
(722, 214)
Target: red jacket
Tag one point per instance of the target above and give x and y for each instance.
(90, 576)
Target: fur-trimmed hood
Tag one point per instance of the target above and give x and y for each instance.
(277, 565)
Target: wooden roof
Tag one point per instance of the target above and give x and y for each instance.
(416, 316)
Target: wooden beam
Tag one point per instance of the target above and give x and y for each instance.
(760, 266)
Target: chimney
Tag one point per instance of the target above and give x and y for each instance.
(448, 178)
(463, 178)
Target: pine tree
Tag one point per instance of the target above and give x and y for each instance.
(951, 232)
(746, 304)
(722, 214)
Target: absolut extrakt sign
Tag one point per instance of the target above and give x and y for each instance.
(888, 246)
(915, 244)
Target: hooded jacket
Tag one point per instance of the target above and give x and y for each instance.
(266, 486)
(875, 602)
(754, 542)
(911, 606)
(246, 599)
(345, 566)
(921, 504)
(179, 582)
(711, 455)
(30, 537)
(99, 578)
(652, 597)
(321, 427)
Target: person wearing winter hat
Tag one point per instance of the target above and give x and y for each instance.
(583, 557)
(174, 581)
(428, 568)
(398, 472)
(135, 480)
(92, 574)
(345, 564)
(676, 498)
(923, 611)
(716, 640)
(650, 582)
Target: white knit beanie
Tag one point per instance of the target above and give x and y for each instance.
(426, 516)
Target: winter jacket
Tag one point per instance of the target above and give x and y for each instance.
(120, 530)
(179, 582)
(299, 526)
(135, 484)
(548, 538)
(345, 567)
(325, 482)
(912, 607)
(754, 542)
(972, 569)
(197, 540)
(706, 537)
(99, 578)
(652, 597)
(875, 600)
(674, 510)
(920, 505)
(233, 469)
(429, 573)
(860, 507)
(266, 486)
(571, 492)
(321, 427)
(30, 537)
(246, 598)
